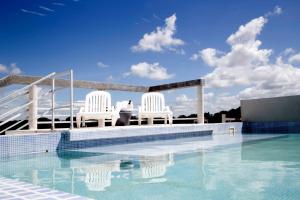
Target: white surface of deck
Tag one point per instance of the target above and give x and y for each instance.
(130, 131)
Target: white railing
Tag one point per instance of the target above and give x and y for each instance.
(22, 105)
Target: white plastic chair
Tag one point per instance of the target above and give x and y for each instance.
(152, 106)
(97, 106)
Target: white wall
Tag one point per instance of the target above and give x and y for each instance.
(271, 109)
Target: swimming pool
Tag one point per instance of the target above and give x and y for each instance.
(224, 167)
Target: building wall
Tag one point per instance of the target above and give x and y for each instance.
(271, 109)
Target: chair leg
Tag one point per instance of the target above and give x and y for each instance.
(78, 121)
(101, 122)
(170, 119)
(113, 122)
(83, 121)
(150, 121)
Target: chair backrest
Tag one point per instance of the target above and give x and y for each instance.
(153, 102)
(97, 101)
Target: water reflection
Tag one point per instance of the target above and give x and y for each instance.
(69, 171)
(251, 170)
(156, 167)
(98, 177)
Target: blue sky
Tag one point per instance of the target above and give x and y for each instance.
(105, 41)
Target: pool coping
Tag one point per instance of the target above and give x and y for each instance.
(158, 128)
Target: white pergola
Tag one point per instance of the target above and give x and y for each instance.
(27, 80)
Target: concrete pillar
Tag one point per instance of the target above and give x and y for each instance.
(200, 105)
(33, 108)
(53, 104)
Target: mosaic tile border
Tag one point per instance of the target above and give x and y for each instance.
(271, 127)
(77, 144)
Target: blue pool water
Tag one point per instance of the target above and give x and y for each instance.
(257, 169)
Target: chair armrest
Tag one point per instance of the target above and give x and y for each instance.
(115, 112)
(113, 109)
(140, 109)
(81, 109)
(167, 109)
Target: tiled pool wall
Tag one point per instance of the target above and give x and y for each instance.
(271, 127)
(12, 145)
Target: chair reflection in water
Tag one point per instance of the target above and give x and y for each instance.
(98, 177)
(156, 167)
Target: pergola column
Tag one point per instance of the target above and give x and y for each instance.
(200, 105)
(32, 111)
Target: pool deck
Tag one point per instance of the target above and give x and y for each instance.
(16, 190)
(129, 131)
(26, 142)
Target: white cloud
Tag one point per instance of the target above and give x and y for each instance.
(3, 68)
(276, 11)
(224, 101)
(58, 4)
(46, 8)
(13, 69)
(236, 67)
(102, 65)
(161, 39)
(248, 68)
(155, 16)
(195, 56)
(207, 55)
(246, 35)
(33, 12)
(294, 58)
(110, 78)
(183, 105)
(181, 98)
(151, 71)
(146, 20)
(179, 51)
(288, 51)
